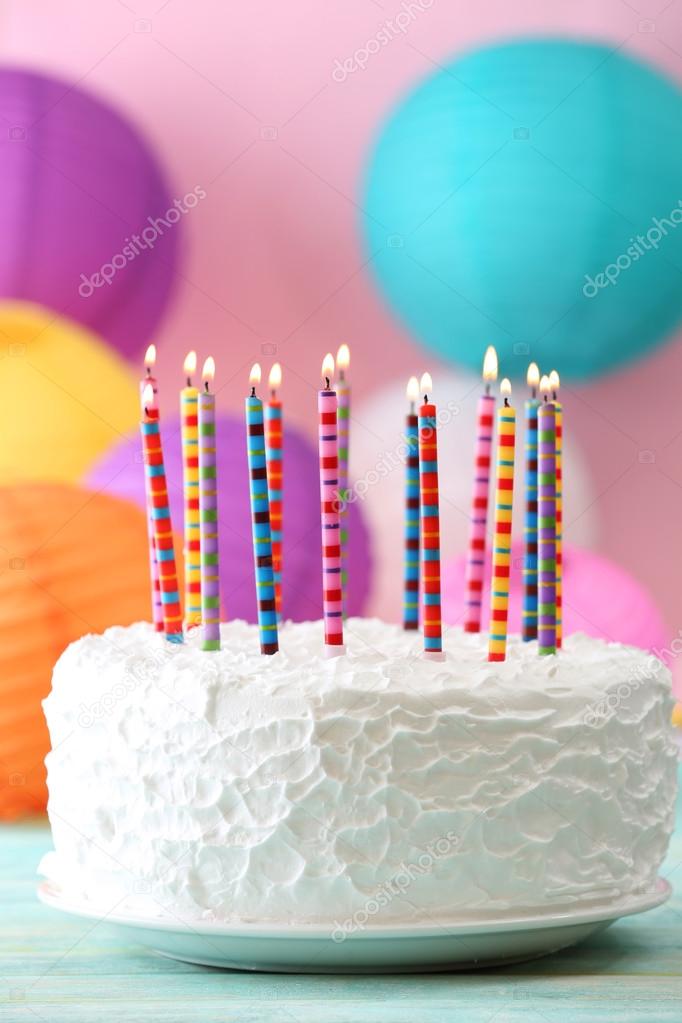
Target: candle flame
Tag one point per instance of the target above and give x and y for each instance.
(343, 358)
(255, 374)
(150, 357)
(505, 388)
(148, 396)
(554, 381)
(190, 364)
(412, 390)
(328, 368)
(275, 378)
(545, 386)
(208, 372)
(533, 375)
(490, 365)
(426, 384)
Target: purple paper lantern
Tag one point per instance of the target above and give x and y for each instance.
(120, 473)
(77, 182)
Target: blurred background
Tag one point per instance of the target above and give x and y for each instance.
(263, 182)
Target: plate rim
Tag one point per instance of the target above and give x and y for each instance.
(51, 894)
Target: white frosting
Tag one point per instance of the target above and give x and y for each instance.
(374, 787)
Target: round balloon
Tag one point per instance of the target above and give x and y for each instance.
(599, 598)
(377, 456)
(66, 396)
(527, 196)
(89, 225)
(72, 562)
(120, 472)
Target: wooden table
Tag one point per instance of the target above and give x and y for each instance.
(60, 970)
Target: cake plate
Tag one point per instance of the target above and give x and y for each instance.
(380, 948)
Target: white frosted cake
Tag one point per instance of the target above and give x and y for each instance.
(371, 788)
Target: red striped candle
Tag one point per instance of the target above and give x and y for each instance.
(343, 416)
(332, 594)
(479, 503)
(149, 381)
(504, 500)
(275, 467)
(430, 525)
(555, 383)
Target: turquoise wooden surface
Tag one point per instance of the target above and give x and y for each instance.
(60, 970)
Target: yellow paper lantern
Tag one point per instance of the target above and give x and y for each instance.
(72, 561)
(66, 396)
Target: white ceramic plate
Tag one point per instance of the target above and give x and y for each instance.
(453, 945)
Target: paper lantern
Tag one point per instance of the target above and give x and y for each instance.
(66, 396)
(508, 183)
(378, 469)
(71, 562)
(120, 472)
(77, 183)
(600, 599)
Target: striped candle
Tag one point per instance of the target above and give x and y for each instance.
(411, 562)
(504, 499)
(343, 415)
(554, 383)
(529, 614)
(208, 514)
(159, 509)
(189, 431)
(149, 380)
(546, 524)
(430, 525)
(332, 594)
(475, 564)
(275, 465)
(260, 519)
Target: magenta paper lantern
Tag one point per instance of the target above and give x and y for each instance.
(600, 599)
(120, 473)
(77, 182)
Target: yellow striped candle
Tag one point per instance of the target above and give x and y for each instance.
(189, 427)
(504, 496)
(555, 383)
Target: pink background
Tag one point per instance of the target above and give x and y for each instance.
(239, 98)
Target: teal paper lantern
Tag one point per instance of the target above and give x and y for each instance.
(529, 196)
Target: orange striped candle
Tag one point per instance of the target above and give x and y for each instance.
(504, 496)
(149, 380)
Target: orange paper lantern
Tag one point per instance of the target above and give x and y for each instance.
(72, 561)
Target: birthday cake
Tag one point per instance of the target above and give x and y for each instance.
(376, 787)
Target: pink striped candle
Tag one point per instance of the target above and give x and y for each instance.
(147, 381)
(332, 594)
(343, 416)
(479, 503)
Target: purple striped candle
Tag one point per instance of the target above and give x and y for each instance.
(546, 524)
(208, 514)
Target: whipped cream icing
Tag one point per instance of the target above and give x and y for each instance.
(376, 787)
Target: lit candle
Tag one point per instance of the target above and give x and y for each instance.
(332, 594)
(275, 465)
(149, 381)
(546, 522)
(343, 393)
(411, 564)
(529, 616)
(189, 427)
(260, 518)
(208, 513)
(475, 564)
(555, 383)
(504, 498)
(159, 509)
(430, 525)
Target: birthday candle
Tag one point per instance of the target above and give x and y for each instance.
(546, 523)
(343, 414)
(149, 380)
(260, 519)
(554, 384)
(208, 513)
(157, 503)
(332, 594)
(189, 427)
(430, 525)
(411, 563)
(479, 503)
(529, 617)
(504, 498)
(275, 466)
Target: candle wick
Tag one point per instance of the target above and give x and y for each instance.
(426, 399)
(273, 394)
(189, 381)
(206, 386)
(487, 387)
(253, 391)
(342, 375)
(506, 402)
(148, 371)
(533, 392)
(327, 383)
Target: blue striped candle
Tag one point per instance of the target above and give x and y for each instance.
(260, 520)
